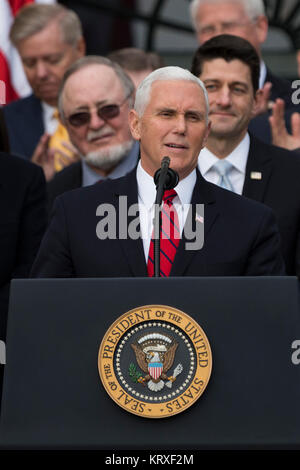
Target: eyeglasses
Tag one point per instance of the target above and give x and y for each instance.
(106, 113)
(222, 28)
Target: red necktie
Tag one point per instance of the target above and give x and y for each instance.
(169, 236)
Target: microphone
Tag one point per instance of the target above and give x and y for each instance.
(164, 178)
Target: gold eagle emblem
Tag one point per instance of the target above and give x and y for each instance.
(155, 354)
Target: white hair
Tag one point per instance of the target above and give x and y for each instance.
(253, 8)
(143, 91)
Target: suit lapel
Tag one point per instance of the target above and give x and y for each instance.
(258, 171)
(202, 194)
(133, 249)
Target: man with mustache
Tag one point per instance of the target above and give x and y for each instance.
(94, 101)
(229, 67)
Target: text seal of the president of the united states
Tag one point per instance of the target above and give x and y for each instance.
(155, 361)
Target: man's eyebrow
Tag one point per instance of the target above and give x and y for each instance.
(87, 107)
(217, 80)
(170, 110)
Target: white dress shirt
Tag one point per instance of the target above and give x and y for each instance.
(50, 123)
(263, 74)
(238, 159)
(146, 200)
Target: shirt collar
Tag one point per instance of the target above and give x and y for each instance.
(238, 157)
(48, 110)
(263, 74)
(147, 189)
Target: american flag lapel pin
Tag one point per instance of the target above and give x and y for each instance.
(199, 218)
(255, 175)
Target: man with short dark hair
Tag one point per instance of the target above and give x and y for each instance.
(246, 19)
(229, 67)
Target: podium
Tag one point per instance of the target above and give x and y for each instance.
(53, 397)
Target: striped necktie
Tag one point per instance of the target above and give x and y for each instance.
(169, 236)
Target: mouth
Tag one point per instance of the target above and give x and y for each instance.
(99, 138)
(176, 146)
(221, 113)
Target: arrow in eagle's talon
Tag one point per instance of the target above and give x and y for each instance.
(171, 379)
(178, 369)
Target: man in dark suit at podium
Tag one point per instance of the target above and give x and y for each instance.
(105, 230)
(229, 67)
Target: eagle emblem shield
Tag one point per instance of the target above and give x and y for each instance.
(155, 354)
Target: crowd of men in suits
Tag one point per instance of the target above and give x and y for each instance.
(115, 132)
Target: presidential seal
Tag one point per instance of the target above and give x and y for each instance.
(155, 361)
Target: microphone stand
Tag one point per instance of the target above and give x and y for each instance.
(164, 178)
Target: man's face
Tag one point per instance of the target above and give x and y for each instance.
(46, 57)
(229, 17)
(231, 96)
(172, 125)
(88, 90)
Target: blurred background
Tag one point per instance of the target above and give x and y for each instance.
(164, 26)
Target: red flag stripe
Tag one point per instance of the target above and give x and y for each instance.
(15, 5)
(6, 85)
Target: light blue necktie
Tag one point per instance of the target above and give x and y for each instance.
(223, 168)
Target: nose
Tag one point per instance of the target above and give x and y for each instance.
(41, 69)
(96, 122)
(180, 125)
(224, 97)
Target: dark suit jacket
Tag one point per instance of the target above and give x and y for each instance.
(4, 143)
(281, 88)
(71, 176)
(279, 188)
(22, 224)
(24, 123)
(241, 236)
(65, 180)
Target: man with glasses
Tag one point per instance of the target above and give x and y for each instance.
(247, 19)
(94, 101)
(48, 39)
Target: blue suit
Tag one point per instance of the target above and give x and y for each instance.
(24, 123)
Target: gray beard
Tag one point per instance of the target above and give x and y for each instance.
(107, 159)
